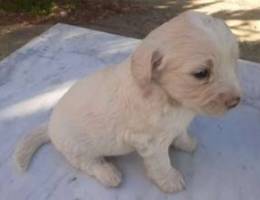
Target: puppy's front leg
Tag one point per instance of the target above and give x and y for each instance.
(159, 169)
(185, 142)
(157, 163)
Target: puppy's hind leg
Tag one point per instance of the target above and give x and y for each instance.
(104, 171)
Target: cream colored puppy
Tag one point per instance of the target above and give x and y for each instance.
(185, 67)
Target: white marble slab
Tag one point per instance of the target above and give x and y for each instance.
(226, 165)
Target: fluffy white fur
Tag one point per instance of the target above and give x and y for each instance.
(146, 103)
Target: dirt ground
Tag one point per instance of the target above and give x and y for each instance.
(134, 18)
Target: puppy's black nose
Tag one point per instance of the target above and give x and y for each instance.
(232, 102)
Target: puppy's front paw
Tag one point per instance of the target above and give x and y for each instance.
(190, 146)
(186, 143)
(173, 182)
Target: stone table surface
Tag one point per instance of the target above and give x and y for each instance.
(226, 165)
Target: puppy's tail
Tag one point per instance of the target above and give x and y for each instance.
(28, 146)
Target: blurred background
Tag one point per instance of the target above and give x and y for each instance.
(21, 20)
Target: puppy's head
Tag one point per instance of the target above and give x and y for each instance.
(193, 59)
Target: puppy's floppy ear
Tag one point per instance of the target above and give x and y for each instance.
(146, 63)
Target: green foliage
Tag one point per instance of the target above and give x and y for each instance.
(42, 7)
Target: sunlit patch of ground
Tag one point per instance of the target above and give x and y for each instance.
(242, 16)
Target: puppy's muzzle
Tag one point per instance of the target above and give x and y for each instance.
(230, 100)
(233, 102)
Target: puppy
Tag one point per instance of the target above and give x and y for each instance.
(187, 66)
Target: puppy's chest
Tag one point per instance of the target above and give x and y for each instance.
(173, 121)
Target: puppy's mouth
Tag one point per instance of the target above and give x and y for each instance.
(215, 109)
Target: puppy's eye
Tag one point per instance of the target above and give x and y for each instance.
(201, 74)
